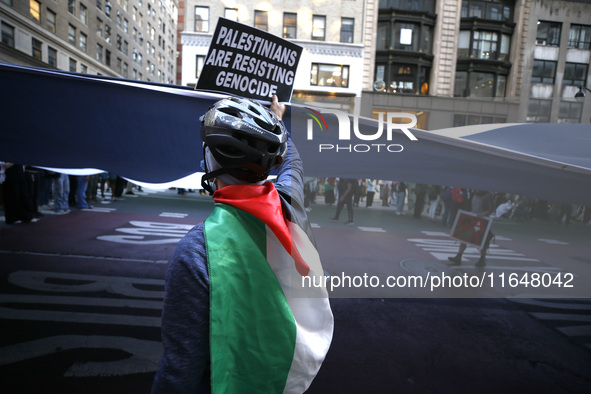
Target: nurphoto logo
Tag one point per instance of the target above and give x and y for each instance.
(344, 131)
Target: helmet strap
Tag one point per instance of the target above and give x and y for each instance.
(206, 177)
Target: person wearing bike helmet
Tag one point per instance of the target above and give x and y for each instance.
(238, 316)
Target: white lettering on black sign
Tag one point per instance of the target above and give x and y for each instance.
(249, 62)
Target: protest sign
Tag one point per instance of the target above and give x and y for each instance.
(249, 62)
(470, 228)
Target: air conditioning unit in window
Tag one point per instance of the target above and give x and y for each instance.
(540, 42)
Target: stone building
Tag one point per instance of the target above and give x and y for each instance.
(331, 33)
(122, 38)
(464, 62)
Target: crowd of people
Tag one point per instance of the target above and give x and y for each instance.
(29, 192)
(435, 202)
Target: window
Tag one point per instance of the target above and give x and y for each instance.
(125, 70)
(411, 5)
(383, 40)
(125, 47)
(99, 4)
(494, 10)
(548, 33)
(83, 14)
(398, 77)
(402, 36)
(108, 58)
(483, 45)
(231, 13)
(83, 69)
(544, 71)
(118, 20)
(99, 52)
(202, 19)
(72, 7)
(468, 120)
(579, 37)
(570, 112)
(52, 57)
(72, 65)
(318, 27)
(71, 34)
(199, 61)
(461, 84)
(99, 27)
(7, 35)
(107, 33)
(347, 27)
(51, 21)
(402, 78)
(538, 111)
(479, 84)
(261, 20)
(108, 9)
(125, 25)
(575, 74)
(35, 9)
(329, 75)
(405, 36)
(36, 44)
(83, 42)
(290, 23)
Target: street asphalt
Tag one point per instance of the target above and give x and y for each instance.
(81, 296)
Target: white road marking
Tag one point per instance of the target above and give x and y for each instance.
(372, 229)
(99, 209)
(552, 241)
(173, 215)
(435, 233)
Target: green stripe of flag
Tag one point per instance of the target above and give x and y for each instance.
(252, 332)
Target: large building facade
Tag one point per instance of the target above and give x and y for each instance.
(122, 38)
(332, 35)
(465, 62)
(449, 62)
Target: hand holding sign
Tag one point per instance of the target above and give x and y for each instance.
(249, 62)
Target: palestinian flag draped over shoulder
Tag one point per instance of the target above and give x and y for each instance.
(268, 334)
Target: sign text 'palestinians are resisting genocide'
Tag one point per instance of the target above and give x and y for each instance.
(249, 62)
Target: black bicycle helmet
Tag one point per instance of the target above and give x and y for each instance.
(244, 137)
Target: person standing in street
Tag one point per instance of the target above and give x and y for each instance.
(236, 316)
(482, 205)
(371, 191)
(347, 190)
